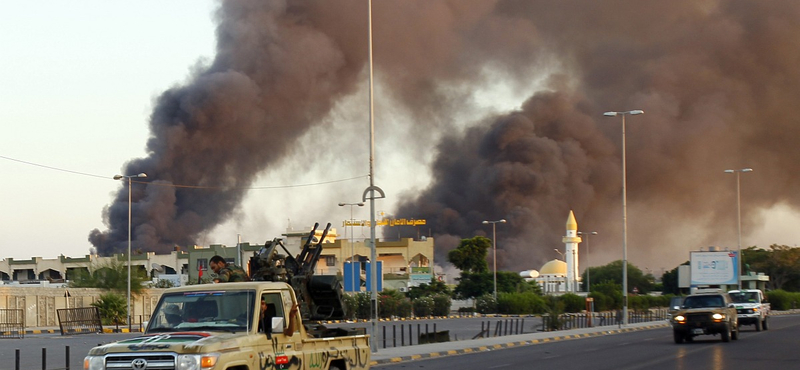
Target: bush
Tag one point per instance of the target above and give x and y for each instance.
(113, 308)
(520, 303)
(782, 300)
(393, 304)
(573, 302)
(485, 304)
(441, 305)
(423, 306)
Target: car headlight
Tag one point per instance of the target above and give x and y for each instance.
(717, 316)
(93, 363)
(197, 362)
(680, 318)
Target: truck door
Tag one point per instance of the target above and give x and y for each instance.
(282, 351)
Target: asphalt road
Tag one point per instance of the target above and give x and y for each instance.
(55, 345)
(776, 348)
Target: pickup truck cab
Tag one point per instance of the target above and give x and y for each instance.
(705, 314)
(752, 307)
(233, 326)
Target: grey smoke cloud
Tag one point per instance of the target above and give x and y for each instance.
(716, 79)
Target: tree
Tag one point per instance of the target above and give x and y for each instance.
(670, 281)
(612, 272)
(113, 308)
(471, 285)
(470, 255)
(112, 276)
(425, 290)
(781, 263)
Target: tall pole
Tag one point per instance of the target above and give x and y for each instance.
(352, 244)
(588, 262)
(130, 182)
(129, 253)
(369, 193)
(739, 223)
(624, 217)
(494, 251)
(494, 258)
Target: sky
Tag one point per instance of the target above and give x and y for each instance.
(79, 86)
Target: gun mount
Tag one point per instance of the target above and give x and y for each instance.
(320, 297)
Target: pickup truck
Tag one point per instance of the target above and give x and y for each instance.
(705, 314)
(233, 326)
(752, 307)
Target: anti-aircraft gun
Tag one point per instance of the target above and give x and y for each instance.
(320, 297)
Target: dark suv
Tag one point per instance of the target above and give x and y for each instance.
(703, 314)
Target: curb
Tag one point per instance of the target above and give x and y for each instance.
(393, 360)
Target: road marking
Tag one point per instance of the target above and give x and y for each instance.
(499, 366)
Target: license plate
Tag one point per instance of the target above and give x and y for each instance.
(697, 331)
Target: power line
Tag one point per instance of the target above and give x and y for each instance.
(160, 183)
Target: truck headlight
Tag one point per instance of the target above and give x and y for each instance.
(93, 363)
(717, 316)
(680, 318)
(197, 362)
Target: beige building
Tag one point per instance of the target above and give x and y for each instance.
(38, 285)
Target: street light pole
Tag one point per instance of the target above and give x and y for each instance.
(588, 276)
(494, 251)
(739, 222)
(352, 247)
(120, 177)
(624, 215)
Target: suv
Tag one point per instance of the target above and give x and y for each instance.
(703, 314)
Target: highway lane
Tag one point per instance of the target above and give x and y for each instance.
(776, 348)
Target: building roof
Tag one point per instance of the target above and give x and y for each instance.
(554, 267)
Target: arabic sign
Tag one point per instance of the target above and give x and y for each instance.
(714, 268)
(386, 222)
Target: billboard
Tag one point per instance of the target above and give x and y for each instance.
(714, 268)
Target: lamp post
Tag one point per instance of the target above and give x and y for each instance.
(739, 222)
(624, 215)
(352, 247)
(588, 277)
(120, 177)
(494, 251)
(559, 253)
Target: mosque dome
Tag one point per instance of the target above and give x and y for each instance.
(554, 267)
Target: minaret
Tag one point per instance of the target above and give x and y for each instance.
(571, 241)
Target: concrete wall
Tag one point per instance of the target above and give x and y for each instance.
(40, 303)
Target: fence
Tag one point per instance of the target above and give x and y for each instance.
(584, 320)
(12, 323)
(79, 320)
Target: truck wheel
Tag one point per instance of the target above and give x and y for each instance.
(333, 367)
(735, 334)
(678, 336)
(764, 324)
(726, 334)
(759, 323)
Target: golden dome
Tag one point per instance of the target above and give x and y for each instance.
(554, 267)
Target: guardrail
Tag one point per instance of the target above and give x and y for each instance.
(585, 320)
(12, 323)
(82, 320)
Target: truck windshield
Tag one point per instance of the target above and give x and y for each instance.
(745, 297)
(211, 310)
(703, 301)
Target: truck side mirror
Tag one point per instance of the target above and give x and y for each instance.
(277, 325)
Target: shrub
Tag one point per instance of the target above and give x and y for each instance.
(485, 304)
(441, 305)
(783, 300)
(573, 302)
(520, 303)
(113, 308)
(423, 306)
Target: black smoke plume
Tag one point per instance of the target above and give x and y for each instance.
(717, 80)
